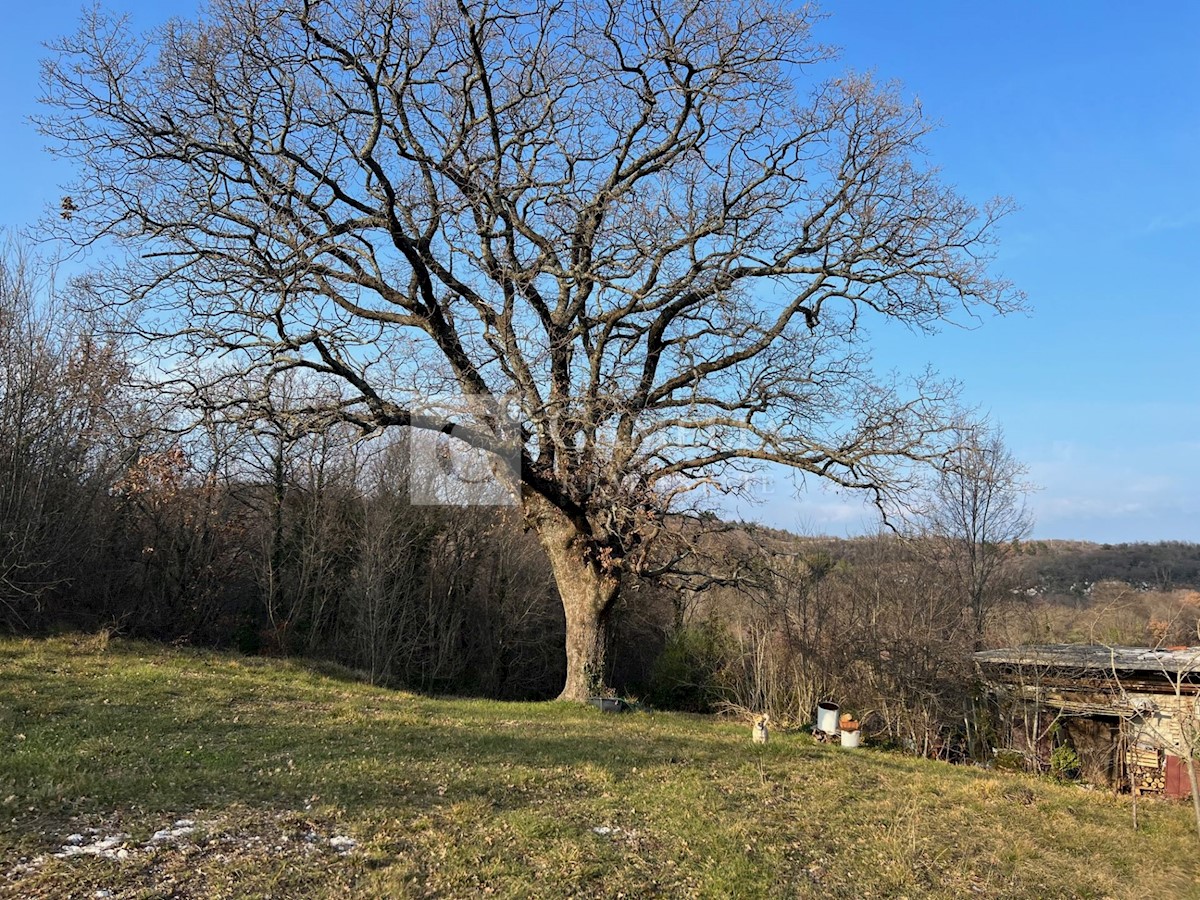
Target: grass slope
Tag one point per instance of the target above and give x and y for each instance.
(462, 798)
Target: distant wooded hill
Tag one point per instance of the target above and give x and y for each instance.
(1068, 566)
(1065, 567)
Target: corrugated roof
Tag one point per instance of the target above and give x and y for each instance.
(1096, 657)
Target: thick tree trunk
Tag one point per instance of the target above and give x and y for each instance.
(588, 594)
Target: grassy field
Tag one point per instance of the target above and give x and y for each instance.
(131, 770)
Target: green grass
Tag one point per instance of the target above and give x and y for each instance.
(465, 798)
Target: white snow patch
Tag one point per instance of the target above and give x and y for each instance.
(182, 828)
(109, 848)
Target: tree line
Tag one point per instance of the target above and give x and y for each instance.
(241, 533)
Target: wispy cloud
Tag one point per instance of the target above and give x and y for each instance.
(1179, 222)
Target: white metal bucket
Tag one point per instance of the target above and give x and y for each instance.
(850, 738)
(827, 717)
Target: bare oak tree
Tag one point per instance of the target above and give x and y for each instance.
(644, 229)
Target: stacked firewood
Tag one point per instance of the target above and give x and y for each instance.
(1146, 772)
(1147, 780)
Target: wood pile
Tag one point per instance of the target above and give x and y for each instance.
(1148, 781)
(1147, 774)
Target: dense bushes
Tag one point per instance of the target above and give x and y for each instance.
(690, 671)
(66, 414)
(879, 633)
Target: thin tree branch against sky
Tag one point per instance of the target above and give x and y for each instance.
(1087, 116)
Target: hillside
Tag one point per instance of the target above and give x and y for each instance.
(143, 771)
(1050, 566)
(1067, 566)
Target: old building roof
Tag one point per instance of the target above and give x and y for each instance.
(1178, 660)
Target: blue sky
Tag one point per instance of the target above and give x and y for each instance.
(1088, 115)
